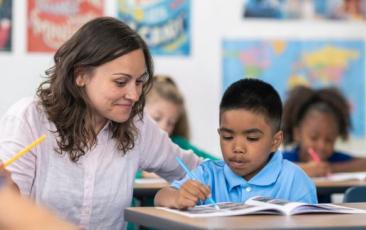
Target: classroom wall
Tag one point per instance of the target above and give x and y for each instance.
(198, 75)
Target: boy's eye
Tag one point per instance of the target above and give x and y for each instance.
(226, 137)
(252, 139)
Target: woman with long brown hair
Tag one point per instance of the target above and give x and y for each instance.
(91, 108)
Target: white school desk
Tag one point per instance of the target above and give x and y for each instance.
(148, 187)
(145, 189)
(160, 219)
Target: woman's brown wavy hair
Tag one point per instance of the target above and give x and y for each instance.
(97, 42)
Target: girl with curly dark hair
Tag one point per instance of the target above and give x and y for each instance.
(313, 120)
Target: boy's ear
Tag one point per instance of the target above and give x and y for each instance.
(277, 141)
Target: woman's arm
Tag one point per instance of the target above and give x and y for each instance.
(15, 135)
(158, 153)
(5, 177)
(185, 144)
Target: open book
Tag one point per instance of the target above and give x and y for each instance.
(263, 205)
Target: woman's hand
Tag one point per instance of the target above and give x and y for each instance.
(5, 179)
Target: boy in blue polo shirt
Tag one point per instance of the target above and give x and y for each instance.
(250, 134)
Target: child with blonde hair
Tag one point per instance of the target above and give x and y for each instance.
(165, 104)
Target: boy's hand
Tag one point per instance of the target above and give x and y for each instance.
(189, 194)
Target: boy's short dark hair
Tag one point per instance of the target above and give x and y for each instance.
(254, 95)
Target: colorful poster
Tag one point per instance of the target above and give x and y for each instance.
(163, 24)
(52, 22)
(340, 9)
(285, 64)
(309, 9)
(275, 9)
(5, 24)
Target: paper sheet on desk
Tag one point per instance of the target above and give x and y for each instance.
(345, 176)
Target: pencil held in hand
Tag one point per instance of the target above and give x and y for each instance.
(189, 173)
(22, 152)
(314, 155)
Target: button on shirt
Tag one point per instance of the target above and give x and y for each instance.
(278, 179)
(93, 192)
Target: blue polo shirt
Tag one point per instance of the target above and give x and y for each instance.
(294, 156)
(279, 179)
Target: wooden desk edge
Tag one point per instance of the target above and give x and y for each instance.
(141, 217)
(155, 218)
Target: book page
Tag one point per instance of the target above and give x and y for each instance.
(346, 176)
(262, 205)
(226, 209)
(284, 206)
(325, 208)
(293, 208)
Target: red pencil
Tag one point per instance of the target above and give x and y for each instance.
(314, 155)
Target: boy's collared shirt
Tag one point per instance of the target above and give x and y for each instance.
(279, 178)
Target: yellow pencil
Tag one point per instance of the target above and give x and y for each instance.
(22, 152)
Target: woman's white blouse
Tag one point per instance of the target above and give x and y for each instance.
(93, 192)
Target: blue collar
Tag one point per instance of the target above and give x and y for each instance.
(266, 176)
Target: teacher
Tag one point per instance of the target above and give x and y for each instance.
(91, 108)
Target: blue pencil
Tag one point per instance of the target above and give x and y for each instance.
(189, 173)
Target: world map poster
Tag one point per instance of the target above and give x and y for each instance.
(316, 63)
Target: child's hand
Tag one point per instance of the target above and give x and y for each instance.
(190, 192)
(317, 169)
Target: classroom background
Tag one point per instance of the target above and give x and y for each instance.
(204, 45)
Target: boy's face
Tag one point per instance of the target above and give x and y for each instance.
(247, 140)
(318, 130)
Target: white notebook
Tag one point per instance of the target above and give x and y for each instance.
(345, 176)
(263, 205)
